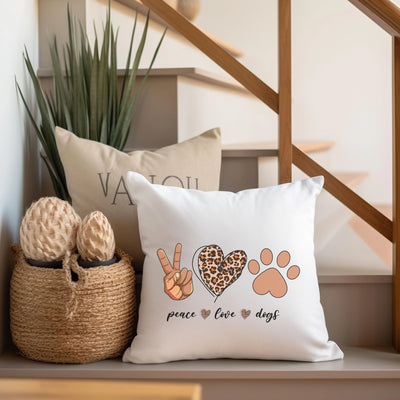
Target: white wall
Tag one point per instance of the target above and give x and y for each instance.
(18, 151)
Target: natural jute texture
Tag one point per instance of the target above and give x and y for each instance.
(95, 238)
(48, 229)
(57, 319)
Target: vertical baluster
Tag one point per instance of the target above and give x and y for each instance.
(396, 192)
(285, 92)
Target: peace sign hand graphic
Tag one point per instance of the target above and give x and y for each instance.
(177, 283)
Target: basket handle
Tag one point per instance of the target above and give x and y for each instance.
(72, 270)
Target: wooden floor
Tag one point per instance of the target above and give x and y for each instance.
(67, 389)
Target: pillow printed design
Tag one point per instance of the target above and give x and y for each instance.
(221, 272)
(271, 279)
(95, 175)
(178, 283)
(217, 272)
(210, 284)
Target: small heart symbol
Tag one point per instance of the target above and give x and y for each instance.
(218, 271)
(245, 313)
(205, 313)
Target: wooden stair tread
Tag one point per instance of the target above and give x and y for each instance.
(270, 148)
(265, 149)
(358, 363)
(141, 8)
(195, 73)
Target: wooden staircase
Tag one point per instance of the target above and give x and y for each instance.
(357, 304)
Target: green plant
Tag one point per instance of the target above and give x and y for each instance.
(85, 97)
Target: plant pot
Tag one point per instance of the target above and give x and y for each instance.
(72, 314)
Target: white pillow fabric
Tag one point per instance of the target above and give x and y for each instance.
(229, 274)
(95, 175)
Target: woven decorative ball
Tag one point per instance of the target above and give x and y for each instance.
(95, 238)
(72, 314)
(48, 229)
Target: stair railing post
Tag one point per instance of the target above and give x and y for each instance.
(396, 193)
(285, 92)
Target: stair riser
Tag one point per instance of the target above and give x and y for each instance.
(241, 117)
(358, 314)
(154, 122)
(239, 173)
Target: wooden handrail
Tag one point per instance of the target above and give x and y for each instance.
(344, 194)
(285, 91)
(396, 192)
(204, 43)
(385, 13)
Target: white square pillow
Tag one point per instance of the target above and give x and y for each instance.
(229, 274)
(95, 175)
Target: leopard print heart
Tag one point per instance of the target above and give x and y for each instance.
(219, 272)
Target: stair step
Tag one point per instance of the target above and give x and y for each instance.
(270, 149)
(366, 373)
(358, 315)
(199, 74)
(242, 167)
(378, 243)
(358, 363)
(187, 102)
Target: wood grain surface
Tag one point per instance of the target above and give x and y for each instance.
(396, 193)
(285, 92)
(68, 389)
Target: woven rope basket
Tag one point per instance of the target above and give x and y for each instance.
(56, 318)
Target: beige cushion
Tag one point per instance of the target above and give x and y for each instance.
(95, 175)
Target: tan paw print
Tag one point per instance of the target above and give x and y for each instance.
(271, 280)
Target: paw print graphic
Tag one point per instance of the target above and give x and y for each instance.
(271, 280)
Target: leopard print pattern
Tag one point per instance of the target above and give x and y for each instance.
(218, 272)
